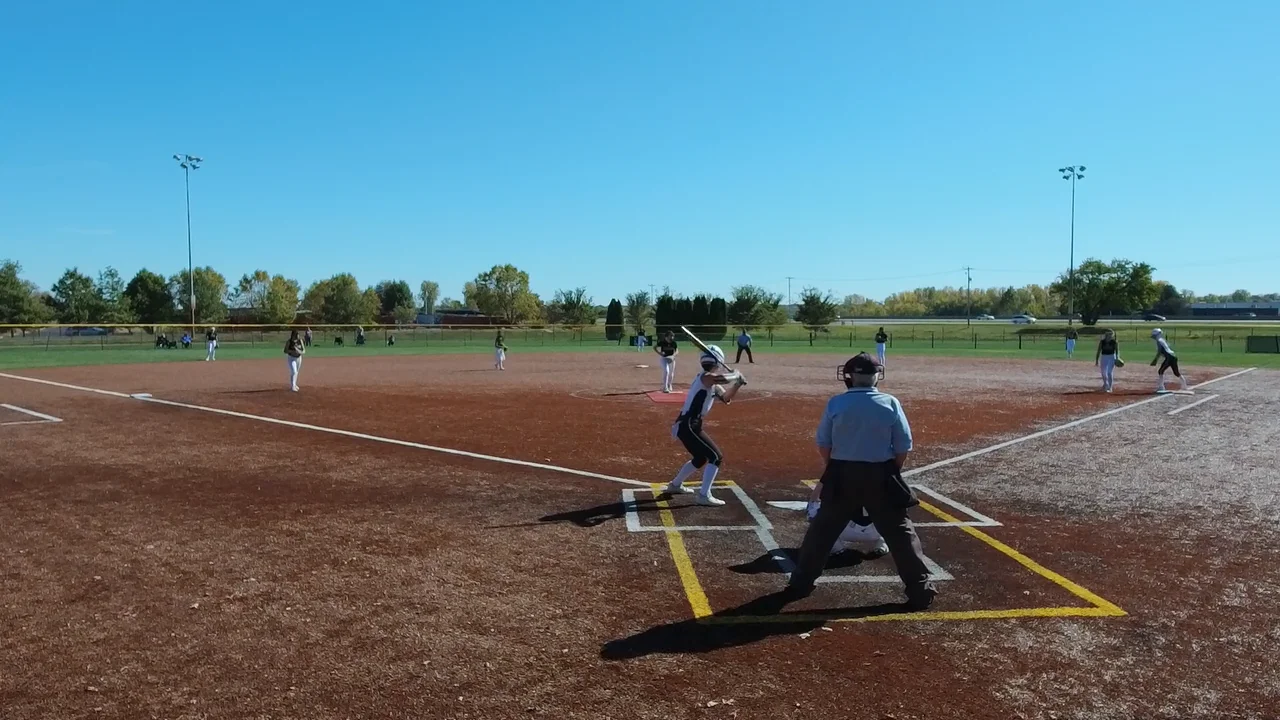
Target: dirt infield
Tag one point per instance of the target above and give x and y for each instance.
(226, 548)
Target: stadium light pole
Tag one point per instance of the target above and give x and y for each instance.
(1072, 173)
(189, 163)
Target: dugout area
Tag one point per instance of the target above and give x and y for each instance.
(225, 548)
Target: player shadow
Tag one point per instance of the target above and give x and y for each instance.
(765, 564)
(629, 393)
(253, 392)
(751, 622)
(600, 514)
(1116, 393)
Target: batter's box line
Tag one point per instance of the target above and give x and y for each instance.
(1097, 607)
(42, 419)
(631, 506)
(979, 520)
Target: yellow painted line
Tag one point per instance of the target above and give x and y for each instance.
(684, 565)
(1108, 608)
(943, 615)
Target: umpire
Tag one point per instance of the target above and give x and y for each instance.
(864, 440)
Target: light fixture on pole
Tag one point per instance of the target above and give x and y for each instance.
(189, 163)
(1072, 173)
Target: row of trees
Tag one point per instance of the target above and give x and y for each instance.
(1120, 287)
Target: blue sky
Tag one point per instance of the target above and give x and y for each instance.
(857, 146)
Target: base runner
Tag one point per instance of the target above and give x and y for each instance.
(1163, 351)
(707, 387)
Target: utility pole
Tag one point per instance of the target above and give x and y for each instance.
(1072, 173)
(968, 294)
(189, 163)
(789, 279)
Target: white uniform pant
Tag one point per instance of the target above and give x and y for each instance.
(295, 367)
(499, 357)
(880, 352)
(668, 371)
(1071, 346)
(211, 350)
(1108, 366)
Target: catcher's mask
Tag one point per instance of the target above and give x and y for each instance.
(863, 365)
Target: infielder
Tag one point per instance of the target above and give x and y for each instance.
(667, 351)
(1072, 336)
(707, 387)
(295, 349)
(1108, 359)
(211, 344)
(499, 352)
(1170, 360)
(881, 338)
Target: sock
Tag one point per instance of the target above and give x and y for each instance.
(683, 475)
(708, 477)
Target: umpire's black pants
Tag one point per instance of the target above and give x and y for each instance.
(747, 350)
(847, 488)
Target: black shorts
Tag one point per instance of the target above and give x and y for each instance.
(701, 448)
(1170, 363)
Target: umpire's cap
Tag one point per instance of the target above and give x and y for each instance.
(860, 364)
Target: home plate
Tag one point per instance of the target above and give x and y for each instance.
(642, 366)
(789, 504)
(660, 397)
(139, 396)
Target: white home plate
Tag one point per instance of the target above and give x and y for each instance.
(642, 366)
(140, 396)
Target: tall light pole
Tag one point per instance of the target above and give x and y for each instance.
(189, 163)
(1072, 173)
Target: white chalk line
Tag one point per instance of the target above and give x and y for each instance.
(334, 431)
(1185, 408)
(1057, 428)
(32, 413)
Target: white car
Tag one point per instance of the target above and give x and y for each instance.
(984, 317)
(1023, 320)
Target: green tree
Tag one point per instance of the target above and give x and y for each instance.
(394, 294)
(279, 304)
(313, 299)
(503, 293)
(344, 304)
(20, 300)
(640, 310)
(753, 306)
(1240, 296)
(613, 320)
(430, 293)
(816, 309)
(114, 304)
(1120, 287)
(370, 306)
(1170, 302)
(448, 304)
(572, 307)
(150, 297)
(75, 299)
(211, 295)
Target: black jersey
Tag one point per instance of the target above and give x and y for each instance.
(881, 338)
(666, 348)
(1108, 347)
(211, 336)
(1072, 335)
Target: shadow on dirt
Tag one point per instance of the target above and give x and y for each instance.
(765, 564)
(748, 623)
(593, 516)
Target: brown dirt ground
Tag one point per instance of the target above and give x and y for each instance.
(167, 562)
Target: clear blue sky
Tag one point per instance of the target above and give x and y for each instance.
(622, 143)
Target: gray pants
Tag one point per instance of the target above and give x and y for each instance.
(844, 495)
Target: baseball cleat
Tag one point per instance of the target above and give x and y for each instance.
(709, 500)
(671, 489)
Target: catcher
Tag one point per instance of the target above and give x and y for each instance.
(706, 388)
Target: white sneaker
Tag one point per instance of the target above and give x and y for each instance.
(708, 500)
(294, 388)
(673, 489)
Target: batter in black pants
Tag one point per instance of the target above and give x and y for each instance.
(847, 488)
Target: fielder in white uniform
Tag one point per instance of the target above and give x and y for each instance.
(211, 344)
(667, 351)
(707, 387)
(499, 353)
(294, 349)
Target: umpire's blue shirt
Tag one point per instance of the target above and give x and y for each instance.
(864, 425)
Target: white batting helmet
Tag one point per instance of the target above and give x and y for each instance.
(713, 356)
(1157, 333)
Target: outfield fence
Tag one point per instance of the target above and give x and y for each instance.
(924, 335)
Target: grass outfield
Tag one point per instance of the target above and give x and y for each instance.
(1192, 351)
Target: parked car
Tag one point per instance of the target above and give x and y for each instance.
(984, 317)
(1152, 317)
(1023, 320)
(1248, 315)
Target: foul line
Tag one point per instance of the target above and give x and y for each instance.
(1056, 428)
(1185, 408)
(335, 431)
(43, 418)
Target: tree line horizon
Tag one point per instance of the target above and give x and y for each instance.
(1121, 287)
